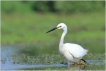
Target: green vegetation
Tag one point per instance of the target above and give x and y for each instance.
(52, 6)
(26, 22)
(84, 29)
(31, 28)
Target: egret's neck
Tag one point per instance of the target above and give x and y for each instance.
(62, 37)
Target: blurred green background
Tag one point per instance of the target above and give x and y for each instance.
(26, 22)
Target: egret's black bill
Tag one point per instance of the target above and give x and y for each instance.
(51, 30)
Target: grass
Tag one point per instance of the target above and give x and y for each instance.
(31, 28)
(88, 30)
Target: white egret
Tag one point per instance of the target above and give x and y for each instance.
(72, 52)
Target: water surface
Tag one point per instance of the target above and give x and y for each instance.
(14, 58)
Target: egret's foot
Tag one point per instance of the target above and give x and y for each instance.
(79, 63)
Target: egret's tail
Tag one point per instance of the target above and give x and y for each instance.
(86, 51)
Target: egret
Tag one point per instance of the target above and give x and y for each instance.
(72, 52)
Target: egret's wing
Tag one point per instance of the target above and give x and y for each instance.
(76, 50)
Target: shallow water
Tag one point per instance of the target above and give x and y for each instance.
(91, 66)
(12, 60)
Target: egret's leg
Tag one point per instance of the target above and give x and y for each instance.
(68, 62)
(83, 60)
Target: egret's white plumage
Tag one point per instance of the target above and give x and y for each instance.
(72, 52)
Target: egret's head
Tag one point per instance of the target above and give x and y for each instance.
(59, 26)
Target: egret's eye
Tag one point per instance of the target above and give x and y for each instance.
(58, 26)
